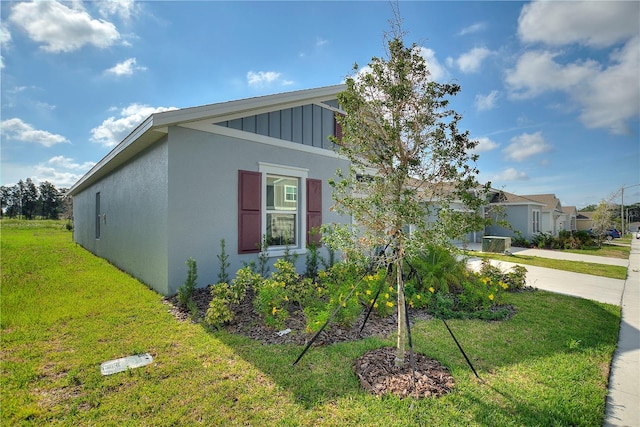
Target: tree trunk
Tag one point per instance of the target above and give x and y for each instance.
(402, 325)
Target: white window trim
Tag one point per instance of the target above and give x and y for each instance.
(534, 222)
(302, 175)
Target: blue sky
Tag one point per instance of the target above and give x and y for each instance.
(550, 89)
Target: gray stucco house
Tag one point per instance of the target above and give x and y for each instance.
(532, 214)
(185, 179)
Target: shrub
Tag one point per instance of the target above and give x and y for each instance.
(223, 262)
(271, 302)
(244, 280)
(519, 241)
(219, 311)
(542, 240)
(515, 279)
(185, 292)
(439, 269)
(313, 260)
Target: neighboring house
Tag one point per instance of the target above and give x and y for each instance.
(552, 217)
(584, 220)
(185, 179)
(523, 214)
(571, 216)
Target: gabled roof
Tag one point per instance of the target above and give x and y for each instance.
(550, 201)
(585, 215)
(156, 126)
(571, 210)
(506, 198)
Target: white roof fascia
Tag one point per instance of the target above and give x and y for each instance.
(205, 126)
(244, 107)
(159, 122)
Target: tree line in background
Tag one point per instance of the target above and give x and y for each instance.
(27, 200)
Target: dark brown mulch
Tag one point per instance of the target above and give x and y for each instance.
(248, 322)
(375, 370)
(378, 374)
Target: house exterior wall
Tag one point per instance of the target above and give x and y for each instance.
(133, 217)
(203, 194)
(520, 218)
(547, 223)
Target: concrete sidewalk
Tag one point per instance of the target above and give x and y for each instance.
(587, 286)
(623, 400)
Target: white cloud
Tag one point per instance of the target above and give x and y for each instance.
(60, 28)
(265, 78)
(485, 144)
(125, 68)
(593, 23)
(613, 96)
(5, 41)
(471, 61)
(125, 9)
(115, 129)
(69, 163)
(474, 28)
(321, 42)
(510, 174)
(61, 171)
(486, 102)
(606, 96)
(537, 72)
(5, 36)
(18, 130)
(438, 72)
(526, 145)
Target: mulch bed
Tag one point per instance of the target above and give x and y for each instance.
(379, 375)
(249, 323)
(375, 370)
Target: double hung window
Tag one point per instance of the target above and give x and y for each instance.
(282, 210)
(279, 205)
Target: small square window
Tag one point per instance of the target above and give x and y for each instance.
(290, 193)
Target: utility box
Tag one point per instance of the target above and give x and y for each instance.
(496, 244)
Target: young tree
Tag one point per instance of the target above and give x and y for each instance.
(603, 216)
(411, 168)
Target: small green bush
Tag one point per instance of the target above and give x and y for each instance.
(313, 260)
(185, 292)
(271, 302)
(223, 263)
(219, 311)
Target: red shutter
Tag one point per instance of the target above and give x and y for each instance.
(337, 127)
(249, 216)
(314, 209)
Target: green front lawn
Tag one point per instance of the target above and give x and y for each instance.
(64, 311)
(603, 270)
(620, 250)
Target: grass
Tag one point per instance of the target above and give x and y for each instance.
(607, 250)
(603, 270)
(64, 311)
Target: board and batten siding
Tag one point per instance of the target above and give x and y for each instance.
(308, 125)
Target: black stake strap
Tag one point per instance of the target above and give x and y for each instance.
(375, 298)
(461, 350)
(335, 312)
